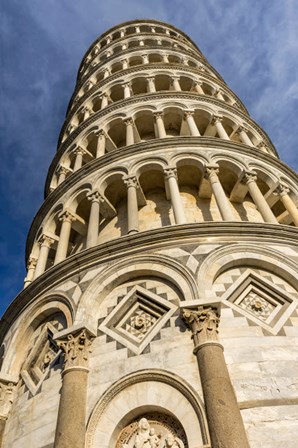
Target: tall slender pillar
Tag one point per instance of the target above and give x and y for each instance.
(66, 217)
(124, 64)
(129, 131)
(79, 153)
(223, 415)
(101, 143)
(106, 73)
(151, 84)
(282, 191)
(7, 393)
(178, 210)
(165, 58)
(219, 127)
(86, 112)
(31, 266)
(104, 101)
(219, 95)
(62, 172)
(45, 245)
(222, 201)
(132, 204)
(197, 85)
(262, 205)
(126, 90)
(71, 423)
(176, 84)
(161, 132)
(145, 59)
(244, 137)
(93, 225)
(193, 129)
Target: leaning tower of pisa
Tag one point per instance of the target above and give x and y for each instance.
(159, 307)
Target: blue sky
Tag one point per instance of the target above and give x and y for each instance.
(252, 43)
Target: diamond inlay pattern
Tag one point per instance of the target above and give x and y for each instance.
(256, 305)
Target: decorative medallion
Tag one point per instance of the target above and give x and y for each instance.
(137, 318)
(261, 301)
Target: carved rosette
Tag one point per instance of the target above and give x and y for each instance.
(76, 348)
(203, 323)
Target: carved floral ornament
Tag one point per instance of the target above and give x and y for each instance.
(76, 348)
(203, 323)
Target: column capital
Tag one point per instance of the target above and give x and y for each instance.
(70, 128)
(281, 190)
(216, 119)
(94, 63)
(31, 263)
(7, 395)
(131, 181)
(79, 150)
(175, 77)
(100, 133)
(150, 78)
(95, 196)
(89, 84)
(67, 216)
(46, 241)
(249, 176)
(188, 113)
(76, 346)
(170, 172)
(124, 60)
(86, 109)
(203, 322)
(63, 170)
(126, 84)
(128, 121)
(211, 170)
(199, 83)
(241, 129)
(158, 114)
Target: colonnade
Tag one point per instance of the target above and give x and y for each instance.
(226, 428)
(248, 180)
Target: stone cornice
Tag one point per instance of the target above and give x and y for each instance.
(137, 22)
(144, 68)
(149, 97)
(151, 240)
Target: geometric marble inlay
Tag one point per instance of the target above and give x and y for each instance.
(262, 302)
(137, 318)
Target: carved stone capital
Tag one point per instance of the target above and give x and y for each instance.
(249, 176)
(100, 133)
(95, 196)
(170, 172)
(67, 215)
(128, 121)
(31, 263)
(79, 150)
(203, 323)
(188, 113)
(131, 181)
(216, 119)
(211, 171)
(281, 190)
(7, 395)
(63, 170)
(46, 241)
(76, 347)
(158, 115)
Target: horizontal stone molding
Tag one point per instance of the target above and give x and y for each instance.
(249, 404)
(165, 237)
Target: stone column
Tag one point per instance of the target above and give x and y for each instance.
(132, 204)
(244, 137)
(93, 225)
(124, 64)
(223, 415)
(282, 191)
(222, 201)
(129, 131)
(176, 84)
(219, 95)
(101, 143)
(106, 73)
(145, 59)
(45, 245)
(161, 132)
(165, 58)
(122, 33)
(86, 111)
(62, 171)
(104, 101)
(216, 120)
(249, 179)
(71, 423)
(66, 217)
(7, 392)
(178, 210)
(198, 87)
(151, 84)
(31, 266)
(126, 90)
(193, 129)
(79, 153)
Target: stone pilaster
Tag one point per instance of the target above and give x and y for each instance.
(7, 394)
(71, 424)
(223, 415)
